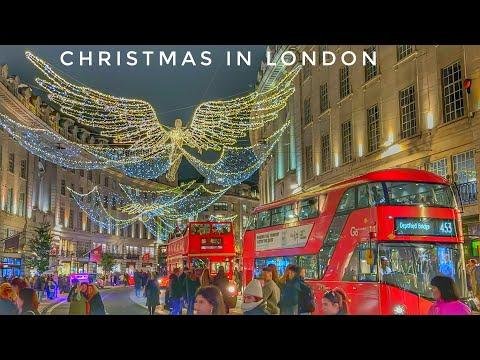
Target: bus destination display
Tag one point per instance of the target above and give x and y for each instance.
(425, 226)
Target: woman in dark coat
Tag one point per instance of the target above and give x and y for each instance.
(192, 283)
(153, 294)
(221, 281)
(95, 303)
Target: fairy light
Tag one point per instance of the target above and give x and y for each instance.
(133, 122)
(237, 164)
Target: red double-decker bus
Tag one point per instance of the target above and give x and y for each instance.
(381, 237)
(203, 245)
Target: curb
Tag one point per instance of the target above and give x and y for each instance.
(142, 302)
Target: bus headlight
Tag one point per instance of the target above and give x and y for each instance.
(399, 310)
(231, 289)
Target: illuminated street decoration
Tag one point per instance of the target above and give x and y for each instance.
(151, 148)
(220, 218)
(52, 147)
(237, 164)
(176, 204)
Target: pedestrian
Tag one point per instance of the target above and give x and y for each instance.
(19, 284)
(205, 279)
(447, 301)
(275, 276)
(175, 292)
(95, 304)
(253, 301)
(137, 278)
(77, 299)
(153, 294)
(289, 295)
(192, 283)
(27, 302)
(221, 281)
(209, 301)
(271, 291)
(306, 300)
(335, 302)
(8, 298)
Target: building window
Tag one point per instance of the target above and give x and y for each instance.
(438, 167)
(62, 187)
(307, 114)
(137, 231)
(347, 142)
(80, 220)
(72, 171)
(307, 70)
(21, 204)
(82, 172)
(408, 112)
(244, 208)
(286, 147)
(344, 82)
(452, 92)
(465, 175)
(23, 169)
(309, 161)
(326, 152)
(89, 175)
(220, 207)
(232, 207)
(70, 219)
(324, 103)
(89, 225)
(106, 181)
(403, 51)
(9, 202)
(11, 162)
(370, 70)
(373, 128)
(62, 216)
(464, 167)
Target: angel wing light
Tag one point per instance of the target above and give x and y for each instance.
(135, 128)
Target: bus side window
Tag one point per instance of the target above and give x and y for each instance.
(377, 195)
(362, 196)
(264, 219)
(360, 266)
(347, 201)
(351, 272)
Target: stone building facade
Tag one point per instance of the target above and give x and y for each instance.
(33, 191)
(416, 108)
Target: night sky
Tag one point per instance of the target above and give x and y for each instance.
(174, 91)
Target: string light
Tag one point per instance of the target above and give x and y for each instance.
(133, 122)
(237, 164)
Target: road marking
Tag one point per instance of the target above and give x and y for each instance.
(49, 311)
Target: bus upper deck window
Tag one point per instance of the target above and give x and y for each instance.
(376, 193)
(308, 208)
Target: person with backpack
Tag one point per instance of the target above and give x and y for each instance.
(289, 293)
(306, 298)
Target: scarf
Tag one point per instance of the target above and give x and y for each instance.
(251, 306)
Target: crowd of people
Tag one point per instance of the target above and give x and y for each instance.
(285, 295)
(22, 296)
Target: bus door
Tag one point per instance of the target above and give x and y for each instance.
(360, 280)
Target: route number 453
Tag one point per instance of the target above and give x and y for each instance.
(446, 227)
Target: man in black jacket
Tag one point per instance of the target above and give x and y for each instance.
(176, 292)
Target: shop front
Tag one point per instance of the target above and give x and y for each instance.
(11, 266)
(471, 233)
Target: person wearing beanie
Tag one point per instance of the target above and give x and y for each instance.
(253, 303)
